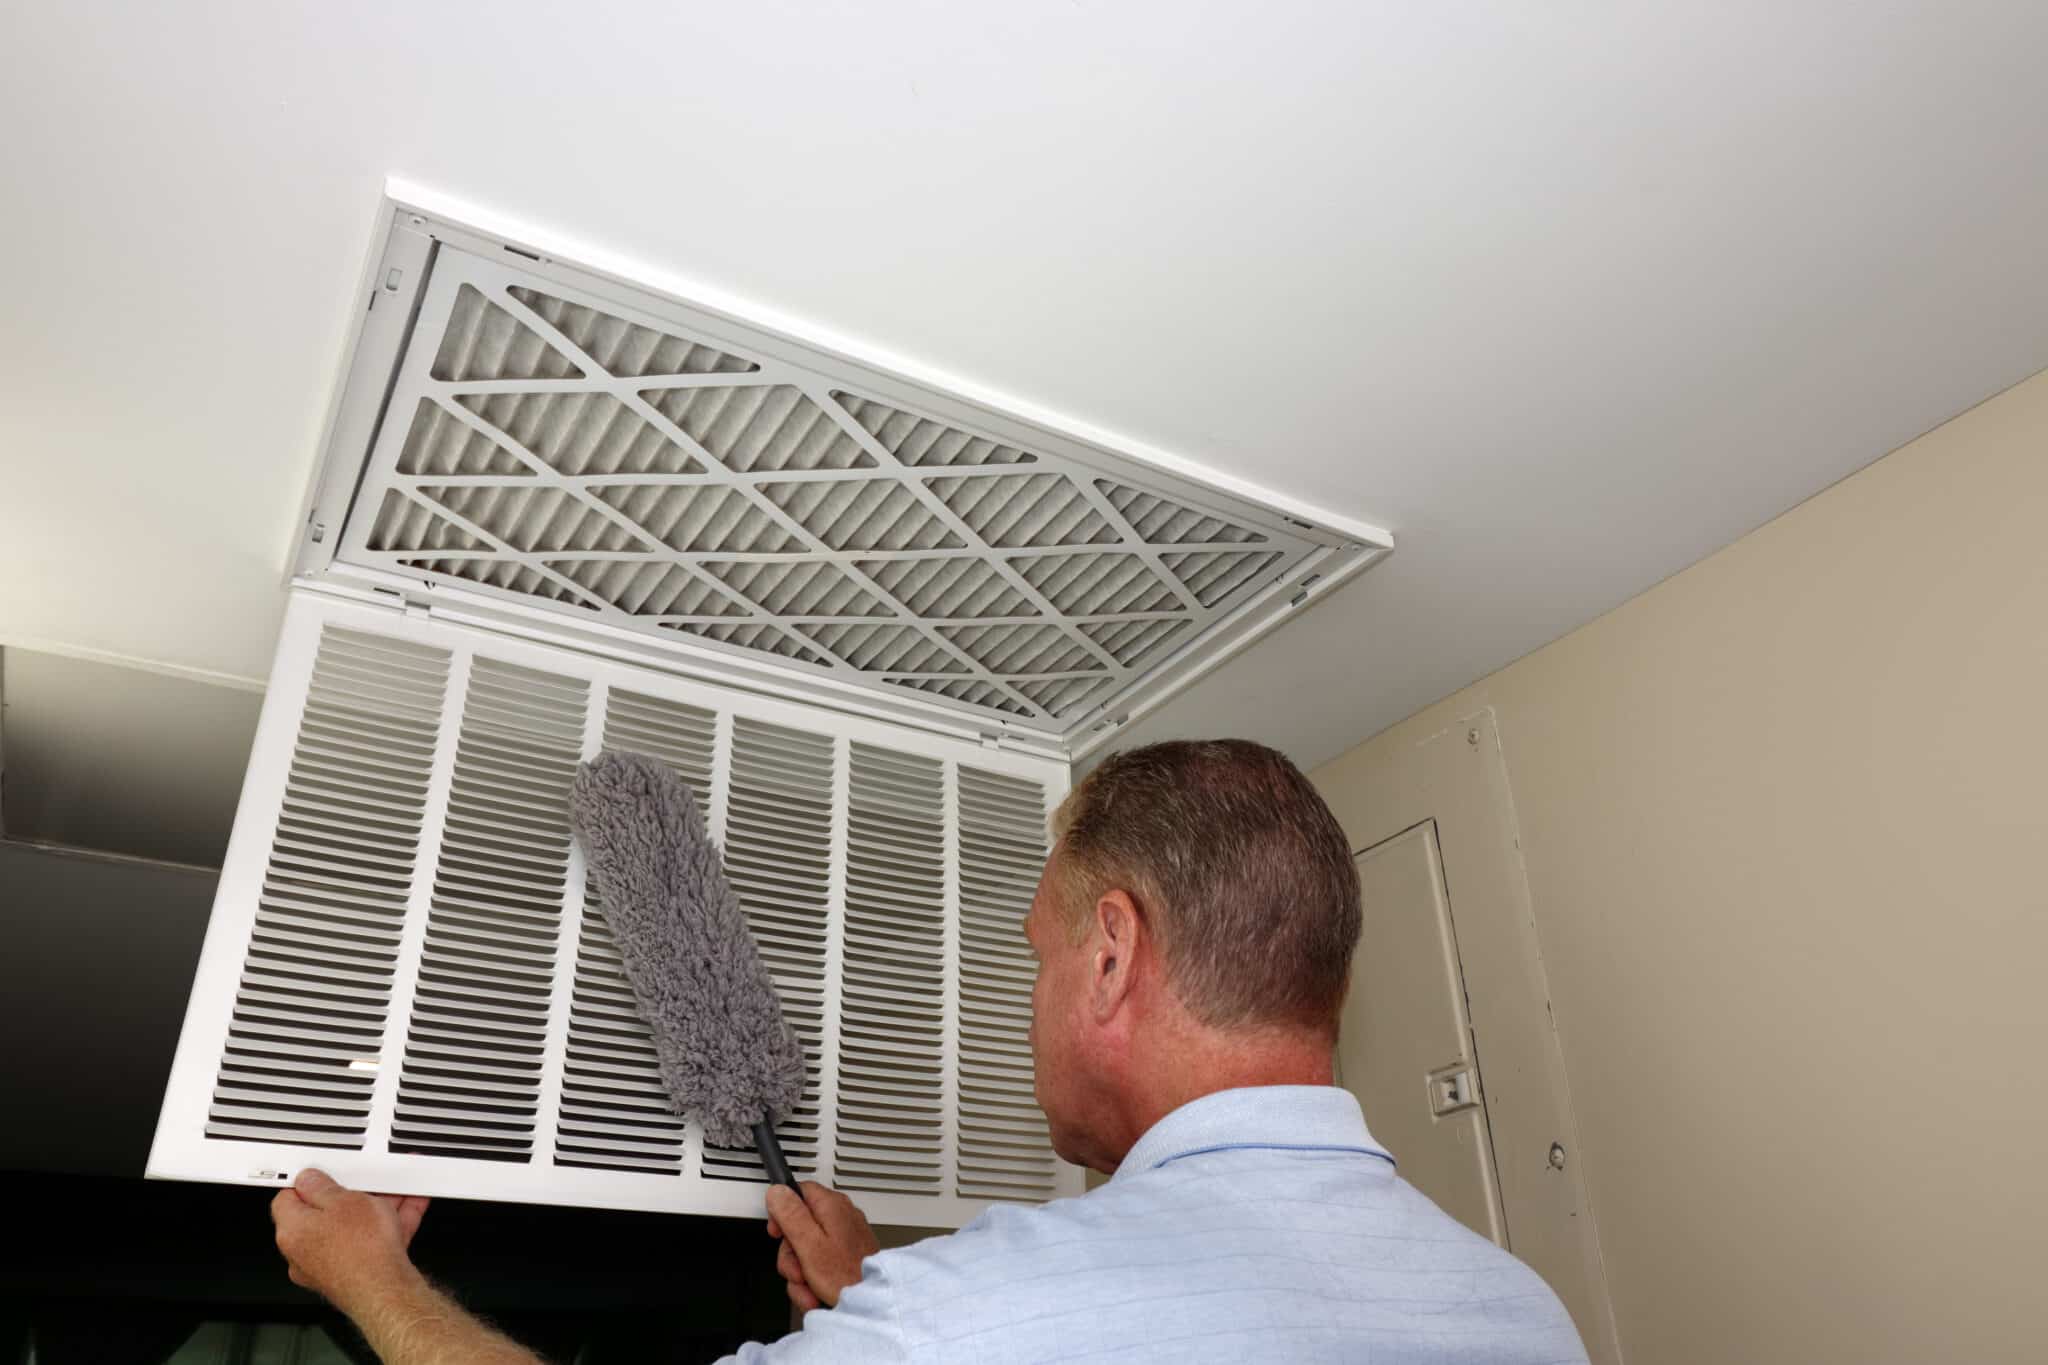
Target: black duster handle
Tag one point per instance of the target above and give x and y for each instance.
(771, 1155)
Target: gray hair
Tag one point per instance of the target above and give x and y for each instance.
(1242, 871)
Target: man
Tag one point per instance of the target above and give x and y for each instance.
(1194, 928)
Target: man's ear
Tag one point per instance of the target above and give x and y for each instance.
(1119, 936)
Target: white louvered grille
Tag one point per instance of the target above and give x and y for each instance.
(322, 947)
(778, 856)
(1005, 1151)
(667, 472)
(892, 1024)
(474, 1047)
(406, 973)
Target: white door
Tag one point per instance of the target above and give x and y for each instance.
(1406, 1049)
(1449, 976)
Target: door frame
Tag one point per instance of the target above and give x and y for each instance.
(1468, 1049)
(1458, 779)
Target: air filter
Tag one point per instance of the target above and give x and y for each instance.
(634, 465)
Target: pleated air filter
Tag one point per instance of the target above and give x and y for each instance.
(628, 465)
(870, 621)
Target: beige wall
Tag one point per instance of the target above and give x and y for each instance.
(1785, 822)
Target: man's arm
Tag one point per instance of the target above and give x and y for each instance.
(350, 1248)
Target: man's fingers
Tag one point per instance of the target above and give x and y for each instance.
(411, 1210)
(803, 1298)
(827, 1205)
(287, 1211)
(834, 1210)
(842, 1218)
(317, 1187)
(408, 1210)
(774, 1228)
(786, 1261)
(827, 1236)
(799, 1227)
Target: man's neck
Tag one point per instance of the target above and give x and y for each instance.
(1193, 1061)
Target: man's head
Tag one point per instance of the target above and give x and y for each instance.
(1194, 924)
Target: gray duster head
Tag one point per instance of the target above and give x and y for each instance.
(727, 1056)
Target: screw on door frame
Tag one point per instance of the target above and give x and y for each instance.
(1557, 1156)
(1472, 736)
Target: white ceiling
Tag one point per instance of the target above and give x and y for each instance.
(1565, 296)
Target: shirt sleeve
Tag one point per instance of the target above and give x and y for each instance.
(863, 1329)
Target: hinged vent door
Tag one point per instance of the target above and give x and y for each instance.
(406, 982)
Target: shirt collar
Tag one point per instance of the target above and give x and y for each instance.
(1292, 1117)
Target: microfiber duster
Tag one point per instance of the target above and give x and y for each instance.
(727, 1056)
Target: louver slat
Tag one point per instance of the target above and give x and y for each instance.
(778, 837)
(891, 1121)
(325, 938)
(1004, 1148)
(520, 739)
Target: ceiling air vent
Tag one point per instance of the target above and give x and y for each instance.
(537, 435)
(870, 622)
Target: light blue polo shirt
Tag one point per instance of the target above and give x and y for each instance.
(1262, 1224)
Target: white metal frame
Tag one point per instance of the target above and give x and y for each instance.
(182, 1150)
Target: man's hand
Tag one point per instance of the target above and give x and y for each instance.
(342, 1244)
(824, 1239)
(351, 1247)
